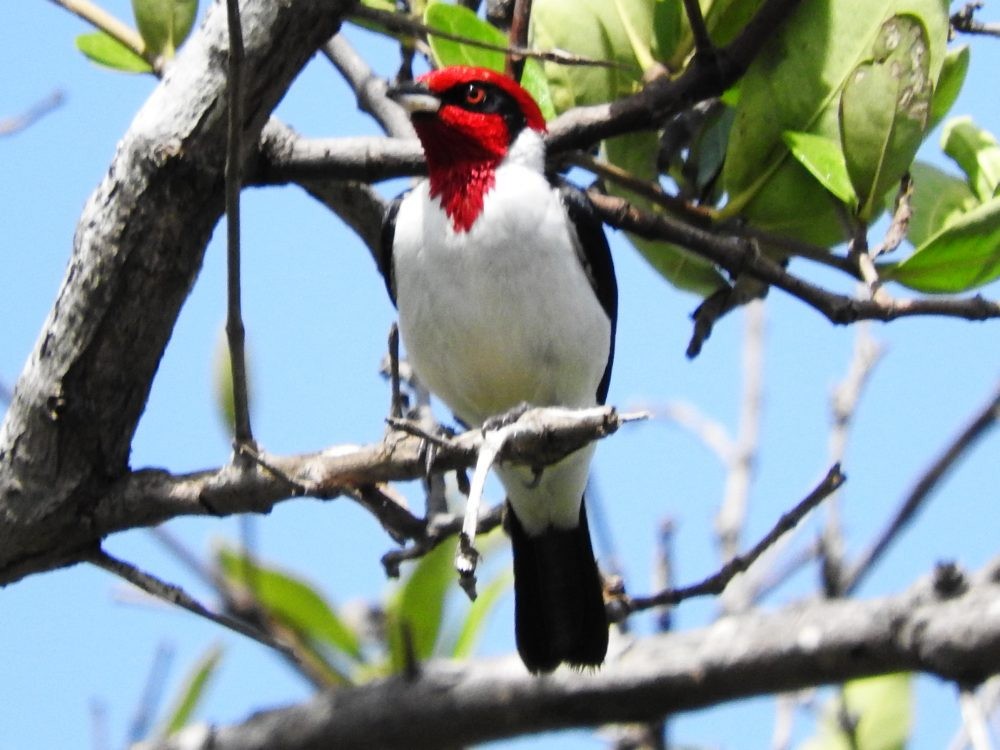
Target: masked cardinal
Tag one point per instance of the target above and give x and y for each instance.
(507, 296)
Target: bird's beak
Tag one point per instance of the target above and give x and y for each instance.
(414, 98)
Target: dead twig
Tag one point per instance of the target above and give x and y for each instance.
(717, 582)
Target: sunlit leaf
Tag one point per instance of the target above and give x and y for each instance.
(291, 600)
(884, 110)
(880, 709)
(976, 151)
(191, 693)
(416, 610)
(949, 85)
(164, 24)
(938, 200)
(479, 611)
(824, 159)
(593, 29)
(107, 51)
(460, 21)
(794, 84)
(962, 256)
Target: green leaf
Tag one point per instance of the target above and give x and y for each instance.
(599, 30)
(191, 692)
(460, 21)
(535, 83)
(794, 84)
(884, 110)
(725, 19)
(949, 85)
(416, 611)
(938, 200)
(479, 611)
(105, 50)
(291, 601)
(164, 24)
(962, 256)
(668, 19)
(636, 154)
(881, 709)
(976, 151)
(825, 161)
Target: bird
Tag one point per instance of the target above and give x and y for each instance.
(506, 296)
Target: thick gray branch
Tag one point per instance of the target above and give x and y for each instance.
(151, 496)
(138, 248)
(956, 636)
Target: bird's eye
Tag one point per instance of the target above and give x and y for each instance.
(475, 95)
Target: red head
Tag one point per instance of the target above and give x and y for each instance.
(466, 119)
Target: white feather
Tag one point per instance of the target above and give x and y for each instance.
(504, 314)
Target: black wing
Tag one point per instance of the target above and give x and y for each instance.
(595, 256)
(384, 258)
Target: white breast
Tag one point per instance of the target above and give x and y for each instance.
(501, 315)
(504, 313)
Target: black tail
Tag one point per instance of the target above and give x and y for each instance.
(558, 597)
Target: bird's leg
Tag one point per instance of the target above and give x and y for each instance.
(467, 556)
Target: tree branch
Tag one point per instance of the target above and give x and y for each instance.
(978, 426)
(452, 704)
(38, 110)
(740, 256)
(66, 437)
(151, 496)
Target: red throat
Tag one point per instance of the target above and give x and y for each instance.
(462, 168)
(462, 190)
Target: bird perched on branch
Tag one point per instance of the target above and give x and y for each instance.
(507, 296)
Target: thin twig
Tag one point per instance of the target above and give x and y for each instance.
(404, 24)
(987, 696)
(173, 594)
(980, 424)
(518, 39)
(368, 87)
(101, 19)
(437, 531)
(964, 21)
(396, 402)
(702, 42)
(716, 583)
(731, 518)
(739, 465)
(206, 573)
(844, 404)
(901, 215)
(709, 432)
(739, 256)
(152, 692)
(235, 332)
(648, 189)
(38, 110)
(973, 720)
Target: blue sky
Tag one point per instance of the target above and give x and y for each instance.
(317, 316)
